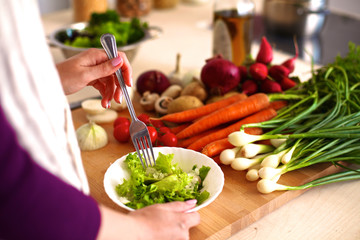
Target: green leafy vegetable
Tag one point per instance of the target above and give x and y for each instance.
(165, 182)
(323, 127)
(125, 32)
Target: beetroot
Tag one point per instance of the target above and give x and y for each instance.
(153, 81)
(220, 76)
(265, 54)
(258, 71)
(286, 83)
(270, 86)
(278, 72)
(249, 87)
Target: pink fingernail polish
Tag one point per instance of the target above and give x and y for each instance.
(116, 61)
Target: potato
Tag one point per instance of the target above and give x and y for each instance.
(183, 103)
(195, 89)
(218, 98)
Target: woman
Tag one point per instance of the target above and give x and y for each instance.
(43, 186)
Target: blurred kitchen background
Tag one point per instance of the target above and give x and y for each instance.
(324, 29)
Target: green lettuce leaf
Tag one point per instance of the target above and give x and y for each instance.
(166, 182)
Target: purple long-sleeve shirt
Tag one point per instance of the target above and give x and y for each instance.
(34, 204)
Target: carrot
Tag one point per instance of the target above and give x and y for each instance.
(261, 116)
(278, 104)
(179, 128)
(216, 147)
(235, 111)
(191, 114)
(186, 142)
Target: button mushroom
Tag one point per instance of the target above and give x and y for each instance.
(161, 104)
(173, 91)
(148, 100)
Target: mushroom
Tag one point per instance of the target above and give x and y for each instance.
(173, 91)
(148, 100)
(161, 104)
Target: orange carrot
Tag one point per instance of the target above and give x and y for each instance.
(179, 128)
(278, 104)
(216, 147)
(254, 131)
(235, 111)
(191, 114)
(186, 142)
(261, 116)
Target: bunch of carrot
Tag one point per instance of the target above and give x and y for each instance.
(205, 129)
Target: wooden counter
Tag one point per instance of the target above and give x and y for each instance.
(326, 212)
(238, 205)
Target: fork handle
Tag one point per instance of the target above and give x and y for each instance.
(109, 44)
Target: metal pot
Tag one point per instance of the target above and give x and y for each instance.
(295, 17)
(57, 38)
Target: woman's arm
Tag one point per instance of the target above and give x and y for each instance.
(35, 204)
(92, 67)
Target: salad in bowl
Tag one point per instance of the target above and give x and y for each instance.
(178, 175)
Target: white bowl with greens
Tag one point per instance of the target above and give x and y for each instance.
(175, 177)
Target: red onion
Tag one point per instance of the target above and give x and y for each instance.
(220, 76)
(153, 81)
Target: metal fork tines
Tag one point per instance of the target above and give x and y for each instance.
(141, 140)
(138, 131)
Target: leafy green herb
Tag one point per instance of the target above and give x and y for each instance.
(165, 182)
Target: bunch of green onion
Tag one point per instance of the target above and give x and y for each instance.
(321, 127)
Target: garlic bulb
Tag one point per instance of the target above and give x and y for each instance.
(175, 77)
(91, 136)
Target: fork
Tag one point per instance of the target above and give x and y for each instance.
(138, 131)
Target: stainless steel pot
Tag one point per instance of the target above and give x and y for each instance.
(56, 39)
(295, 17)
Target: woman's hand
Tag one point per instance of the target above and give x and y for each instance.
(158, 221)
(166, 221)
(93, 68)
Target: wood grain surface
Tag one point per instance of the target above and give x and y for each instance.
(238, 206)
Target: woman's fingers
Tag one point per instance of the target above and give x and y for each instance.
(118, 95)
(180, 206)
(126, 70)
(109, 92)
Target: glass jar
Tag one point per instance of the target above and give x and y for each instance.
(232, 29)
(84, 8)
(133, 8)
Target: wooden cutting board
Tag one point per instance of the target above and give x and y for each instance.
(239, 204)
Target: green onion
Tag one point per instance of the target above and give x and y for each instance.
(321, 125)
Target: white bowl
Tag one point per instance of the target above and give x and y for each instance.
(185, 158)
